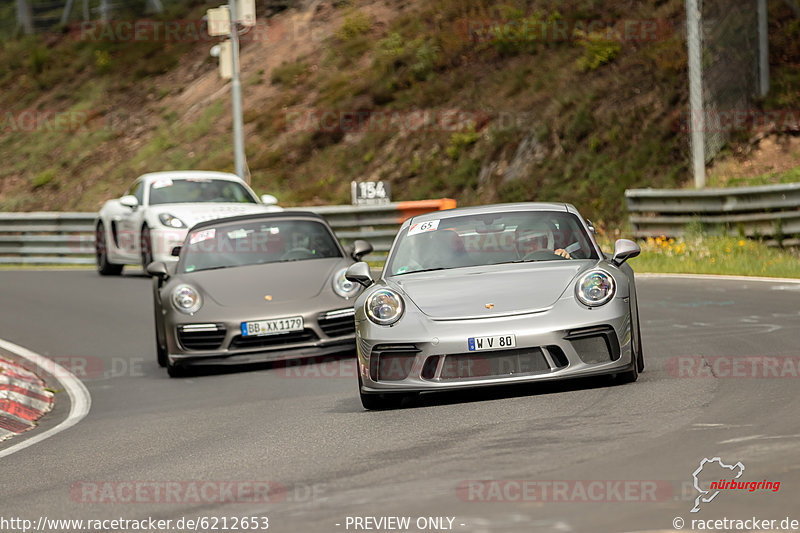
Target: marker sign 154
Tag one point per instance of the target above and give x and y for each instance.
(370, 192)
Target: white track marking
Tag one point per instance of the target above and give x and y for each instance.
(716, 277)
(80, 399)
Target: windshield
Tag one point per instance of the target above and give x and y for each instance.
(194, 190)
(255, 243)
(489, 239)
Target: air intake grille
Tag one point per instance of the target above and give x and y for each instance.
(205, 338)
(337, 326)
(266, 341)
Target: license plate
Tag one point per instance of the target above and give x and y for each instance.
(272, 327)
(496, 342)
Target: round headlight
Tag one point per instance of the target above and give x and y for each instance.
(595, 288)
(186, 299)
(171, 221)
(384, 307)
(344, 287)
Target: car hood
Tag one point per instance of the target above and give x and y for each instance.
(192, 214)
(249, 286)
(481, 292)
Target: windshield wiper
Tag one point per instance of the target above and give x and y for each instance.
(423, 270)
(516, 261)
(209, 268)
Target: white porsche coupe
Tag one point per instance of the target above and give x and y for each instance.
(156, 212)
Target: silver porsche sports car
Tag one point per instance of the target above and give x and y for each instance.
(251, 288)
(495, 295)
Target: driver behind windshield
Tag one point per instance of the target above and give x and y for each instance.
(541, 238)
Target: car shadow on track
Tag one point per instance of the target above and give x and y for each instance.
(485, 394)
(295, 367)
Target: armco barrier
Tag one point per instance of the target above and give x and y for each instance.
(770, 211)
(46, 238)
(65, 238)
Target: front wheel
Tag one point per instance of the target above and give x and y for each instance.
(637, 359)
(104, 267)
(379, 402)
(175, 371)
(146, 245)
(640, 350)
(161, 350)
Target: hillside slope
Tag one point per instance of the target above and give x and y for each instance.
(505, 117)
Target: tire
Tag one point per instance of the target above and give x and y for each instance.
(161, 354)
(379, 402)
(175, 371)
(632, 375)
(104, 267)
(146, 245)
(640, 354)
(161, 350)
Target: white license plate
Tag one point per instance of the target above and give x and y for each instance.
(496, 342)
(272, 327)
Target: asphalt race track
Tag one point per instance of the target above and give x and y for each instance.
(303, 430)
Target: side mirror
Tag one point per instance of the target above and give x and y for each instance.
(359, 273)
(176, 251)
(624, 250)
(268, 199)
(360, 249)
(158, 269)
(129, 200)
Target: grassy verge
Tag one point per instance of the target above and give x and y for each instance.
(708, 254)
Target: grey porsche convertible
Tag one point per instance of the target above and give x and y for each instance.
(494, 295)
(255, 288)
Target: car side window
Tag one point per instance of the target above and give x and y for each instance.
(138, 191)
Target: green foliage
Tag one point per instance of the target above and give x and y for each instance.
(596, 51)
(405, 61)
(102, 60)
(37, 60)
(355, 25)
(43, 178)
(581, 125)
(288, 74)
(459, 141)
(701, 253)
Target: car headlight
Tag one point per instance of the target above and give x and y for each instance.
(343, 286)
(186, 299)
(171, 221)
(595, 288)
(384, 307)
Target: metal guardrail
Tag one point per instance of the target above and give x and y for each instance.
(47, 238)
(68, 238)
(769, 211)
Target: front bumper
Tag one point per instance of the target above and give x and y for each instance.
(222, 343)
(164, 240)
(550, 345)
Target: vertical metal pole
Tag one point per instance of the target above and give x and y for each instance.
(105, 10)
(156, 5)
(763, 49)
(67, 11)
(85, 10)
(696, 116)
(236, 93)
(24, 16)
